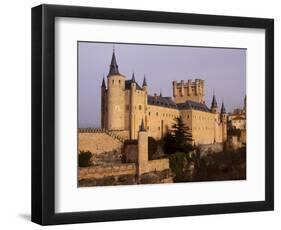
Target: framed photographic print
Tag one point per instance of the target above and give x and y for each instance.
(142, 114)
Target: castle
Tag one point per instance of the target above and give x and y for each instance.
(124, 104)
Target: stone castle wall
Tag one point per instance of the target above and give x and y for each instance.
(159, 120)
(158, 165)
(190, 90)
(106, 171)
(98, 142)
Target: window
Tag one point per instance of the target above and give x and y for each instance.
(139, 107)
(112, 81)
(156, 113)
(148, 113)
(119, 82)
(127, 107)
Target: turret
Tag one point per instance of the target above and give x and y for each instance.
(223, 122)
(142, 150)
(113, 68)
(175, 93)
(144, 84)
(133, 82)
(103, 105)
(115, 97)
(223, 113)
(214, 106)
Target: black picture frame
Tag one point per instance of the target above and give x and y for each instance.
(43, 114)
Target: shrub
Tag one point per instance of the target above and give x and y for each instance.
(178, 161)
(152, 147)
(84, 159)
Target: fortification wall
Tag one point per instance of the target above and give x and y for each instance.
(98, 142)
(123, 134)
(158, 165)
(107, 171)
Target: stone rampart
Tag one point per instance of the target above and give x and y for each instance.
(98, 142)
(106, 171)
(157, 165)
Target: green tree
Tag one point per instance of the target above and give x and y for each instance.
(152, 147)
(169, 143)
(178, 139)
(181, 133)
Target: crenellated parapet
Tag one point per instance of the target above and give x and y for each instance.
(189, 90)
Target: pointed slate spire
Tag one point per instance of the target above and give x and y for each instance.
(144, 82)
(103, 83)
(214, 102)
(133, 77)
(142, 126)
(223, 109)
(113, 65)
(160, 93)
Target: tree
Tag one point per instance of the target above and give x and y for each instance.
(181, 133)
(152, 147)
(84, 159)
(169, 143)
(178, 139)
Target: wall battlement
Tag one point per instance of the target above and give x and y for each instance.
(189, 90)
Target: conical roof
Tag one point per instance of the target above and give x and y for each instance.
(142, 126)
(103, 83)
(223, 109)
(113, 69)
(133, 77)
(214, 102)
(144, 82)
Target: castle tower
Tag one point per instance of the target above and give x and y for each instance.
(115, 97)
(214, 106)
(223, 122)
(103, 105)
(190, 90)
(132, 109)
(142, 150)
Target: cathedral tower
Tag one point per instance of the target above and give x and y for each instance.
(115, 97)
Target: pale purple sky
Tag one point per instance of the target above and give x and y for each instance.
(223, 69)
